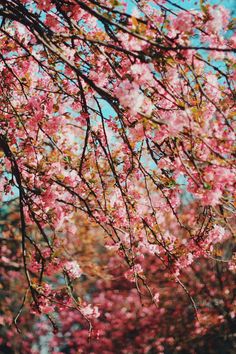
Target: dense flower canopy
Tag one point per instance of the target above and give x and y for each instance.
(117, 176)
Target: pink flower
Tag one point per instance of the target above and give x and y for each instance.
(46, 308)
(130, 96)
(156, 298)
(219, 19)
(142, 73)
(43, 4)
(217, 234)
(73, 269)
(130, 274)
(183, 22)
(232, 264)
(211, 197)
(90, 311)
(176, 122)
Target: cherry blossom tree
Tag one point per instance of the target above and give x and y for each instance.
(117, 176)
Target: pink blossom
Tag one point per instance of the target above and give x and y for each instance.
(183, 22)
(211, 197)
(73, 269)
(219, 18)
(130, 274)
(142, 74)
(130, 96)
(89, 311)
(217, 234)
(156, 298)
